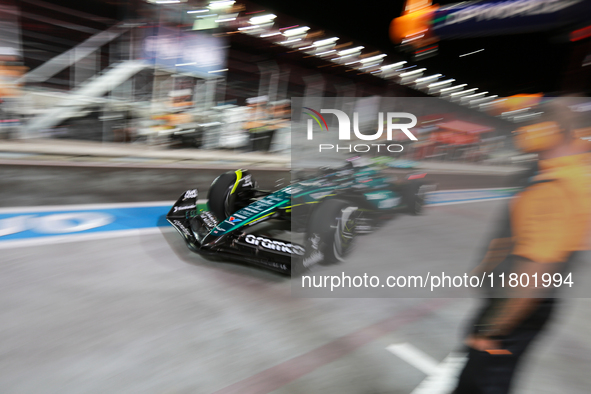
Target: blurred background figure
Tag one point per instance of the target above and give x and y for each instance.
(121, 71)
(545, 227)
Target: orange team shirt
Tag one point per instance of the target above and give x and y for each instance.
(552, 218)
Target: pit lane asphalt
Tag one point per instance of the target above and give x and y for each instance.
(144, 314)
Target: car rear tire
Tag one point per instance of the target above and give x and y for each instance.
(330, 235)
(415, 198)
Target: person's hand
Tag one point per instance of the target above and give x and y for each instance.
(484, 344)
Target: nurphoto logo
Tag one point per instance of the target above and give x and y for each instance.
(392, 123)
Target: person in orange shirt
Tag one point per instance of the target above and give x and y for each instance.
(545, 227)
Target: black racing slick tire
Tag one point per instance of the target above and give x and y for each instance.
(415, 195)
(219, 193)
(229, 192)
(330, 235)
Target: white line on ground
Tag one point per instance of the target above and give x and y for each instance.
(441, 377)
(474, 190)
(59, 239)
(85, 207)
(467, 201)
(444, 380)
(414, 357)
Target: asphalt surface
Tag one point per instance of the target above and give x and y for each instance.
(141, 313)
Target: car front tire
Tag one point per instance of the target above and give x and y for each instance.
(330, 235)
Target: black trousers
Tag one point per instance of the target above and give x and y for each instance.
(485, 373)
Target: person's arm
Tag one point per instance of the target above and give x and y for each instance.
(514, 310)
(523, 300)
